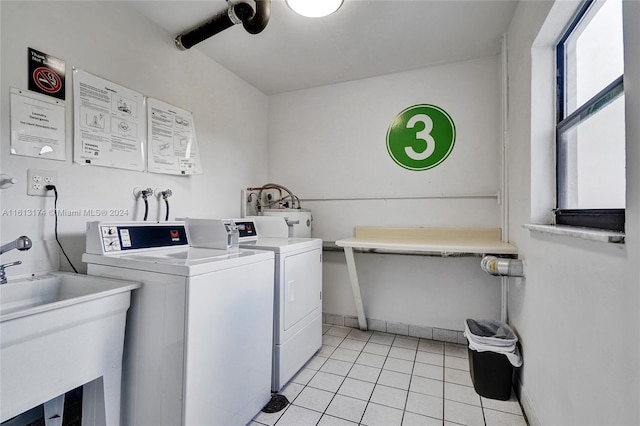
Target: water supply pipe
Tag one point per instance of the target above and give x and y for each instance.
(502, 267)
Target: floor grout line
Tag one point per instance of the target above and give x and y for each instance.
(443, 381)
(453, 350)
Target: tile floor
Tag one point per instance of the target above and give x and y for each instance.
(379, 379)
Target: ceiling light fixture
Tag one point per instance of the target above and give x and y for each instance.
(314, 8)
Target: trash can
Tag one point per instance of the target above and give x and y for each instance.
(493, 354)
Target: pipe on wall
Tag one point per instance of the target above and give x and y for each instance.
(242, 12)
(504, 169)
(401, 197)
(502, 267)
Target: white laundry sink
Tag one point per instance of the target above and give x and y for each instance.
(59, 331)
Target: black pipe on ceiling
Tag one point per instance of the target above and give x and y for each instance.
(242, 12)
(258, 22)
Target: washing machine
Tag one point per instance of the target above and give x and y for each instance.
(198, 341)
(297, 325)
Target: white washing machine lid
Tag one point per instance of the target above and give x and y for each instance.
(186, 262)
(159, 247)
(282, 245)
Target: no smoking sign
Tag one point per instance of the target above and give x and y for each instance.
(46, 74)
(47, 80)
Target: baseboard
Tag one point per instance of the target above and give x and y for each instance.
(424, 332)
(525, 403)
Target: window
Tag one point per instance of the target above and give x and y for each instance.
(590, 130)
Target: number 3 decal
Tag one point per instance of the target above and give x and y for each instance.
(421, 137)
(424, 135)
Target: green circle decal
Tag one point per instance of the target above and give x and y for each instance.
(421, 137)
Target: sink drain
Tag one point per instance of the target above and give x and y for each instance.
(277, 403)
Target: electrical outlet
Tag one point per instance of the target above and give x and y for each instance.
(37, 180)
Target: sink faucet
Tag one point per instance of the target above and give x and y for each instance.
(21, 243)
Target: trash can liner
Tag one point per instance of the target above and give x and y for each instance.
(490, 332)
(493, 336)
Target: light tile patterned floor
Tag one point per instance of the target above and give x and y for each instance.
(379, 379)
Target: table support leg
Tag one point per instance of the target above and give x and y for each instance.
(355, 287)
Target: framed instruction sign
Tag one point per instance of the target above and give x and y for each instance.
(37, 126)
(109, 123)
(172, 145)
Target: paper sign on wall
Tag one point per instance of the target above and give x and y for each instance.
(37, 126)
(109, 123)
(172, 144)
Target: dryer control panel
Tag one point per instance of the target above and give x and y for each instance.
(246, 229)
(117, 237)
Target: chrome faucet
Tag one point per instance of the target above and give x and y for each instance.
(21, 243)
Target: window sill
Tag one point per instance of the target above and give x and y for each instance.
(602, 236)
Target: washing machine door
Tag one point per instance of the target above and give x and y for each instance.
(302, 287)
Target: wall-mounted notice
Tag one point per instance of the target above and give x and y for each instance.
(109, 123)
(37, 126)
(46, 74)
(172, 146)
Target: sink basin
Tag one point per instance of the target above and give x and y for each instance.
(59, 331)
(53, 291)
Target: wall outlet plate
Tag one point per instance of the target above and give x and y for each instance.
(37, 180)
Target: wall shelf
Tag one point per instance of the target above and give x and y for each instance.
(427, 241)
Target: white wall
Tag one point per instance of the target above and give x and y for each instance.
(329, 142)
(117, 43)
(577, 310)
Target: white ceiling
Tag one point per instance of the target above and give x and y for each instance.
(365, 38)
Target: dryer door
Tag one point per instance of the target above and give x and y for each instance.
(302, 286)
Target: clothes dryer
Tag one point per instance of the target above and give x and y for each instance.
(297, 325)
(198, 342)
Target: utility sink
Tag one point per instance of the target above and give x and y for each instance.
(54, 291)
(59, 331)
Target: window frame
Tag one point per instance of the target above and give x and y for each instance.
(609, 219)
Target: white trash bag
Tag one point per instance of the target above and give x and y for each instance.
(493, 336)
